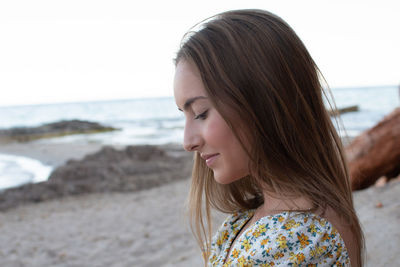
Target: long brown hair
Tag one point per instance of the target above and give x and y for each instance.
(262, 80)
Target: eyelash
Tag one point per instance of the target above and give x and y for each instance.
(201, 116)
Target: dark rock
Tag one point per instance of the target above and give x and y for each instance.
(375, 153)
(109, 170)
(61, 128)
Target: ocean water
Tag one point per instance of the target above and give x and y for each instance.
(141, 121)
(157, 121)
(374, 103)
(16, 170)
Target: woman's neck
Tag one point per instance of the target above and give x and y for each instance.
(275, 204)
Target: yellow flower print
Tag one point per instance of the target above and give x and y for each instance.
(227, 263)
(295, 238)
(241, 260)
(303, 240)
(264, 241)
(246, 245)
(313, 228)
(291, 224)
(223, 237)
(256, 233)
(282, 242)
(292, 257)
(300, 257)
(339, 245)
(270, 264)
(297, 258)
(319, 250)
(278, 255)
(333, 232)
(325, 237)
(244, 263)
(259, 230)
(339, 249)
(235, 253)
(213, 258)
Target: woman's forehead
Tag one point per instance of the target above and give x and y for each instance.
(187, 83)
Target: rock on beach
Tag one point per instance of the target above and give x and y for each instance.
(133, 168)
(55, 129)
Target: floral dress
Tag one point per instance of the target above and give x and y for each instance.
(283, 239)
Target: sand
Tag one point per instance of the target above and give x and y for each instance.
(145, 228)
(50, 153)
(142, 229)
(378, 209)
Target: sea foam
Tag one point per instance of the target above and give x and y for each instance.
(17, 170)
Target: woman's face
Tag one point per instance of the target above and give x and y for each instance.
(205, 130)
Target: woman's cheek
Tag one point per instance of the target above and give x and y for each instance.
(217, 131)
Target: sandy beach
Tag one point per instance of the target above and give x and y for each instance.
(144, 228)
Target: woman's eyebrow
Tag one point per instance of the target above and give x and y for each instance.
(190, 101)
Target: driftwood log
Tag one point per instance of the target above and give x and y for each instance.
(375, 153)
(339, 111)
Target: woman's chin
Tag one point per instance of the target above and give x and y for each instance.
(223, 182)
(224, 179)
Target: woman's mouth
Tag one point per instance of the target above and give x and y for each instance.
(210, 158)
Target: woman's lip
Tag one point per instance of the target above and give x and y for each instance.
(211, 159)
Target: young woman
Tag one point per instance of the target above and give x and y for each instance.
(265, 149)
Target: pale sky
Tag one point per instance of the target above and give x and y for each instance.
(85, 50)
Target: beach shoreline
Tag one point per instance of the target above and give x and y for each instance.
(51, 153)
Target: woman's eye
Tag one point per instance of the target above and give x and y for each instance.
(201, 116)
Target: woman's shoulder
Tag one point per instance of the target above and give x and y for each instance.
(288, 238)
(227, 232)
(292, 238)
(234, 222)
(232, 225)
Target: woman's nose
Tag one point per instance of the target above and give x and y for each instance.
(191, 140)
